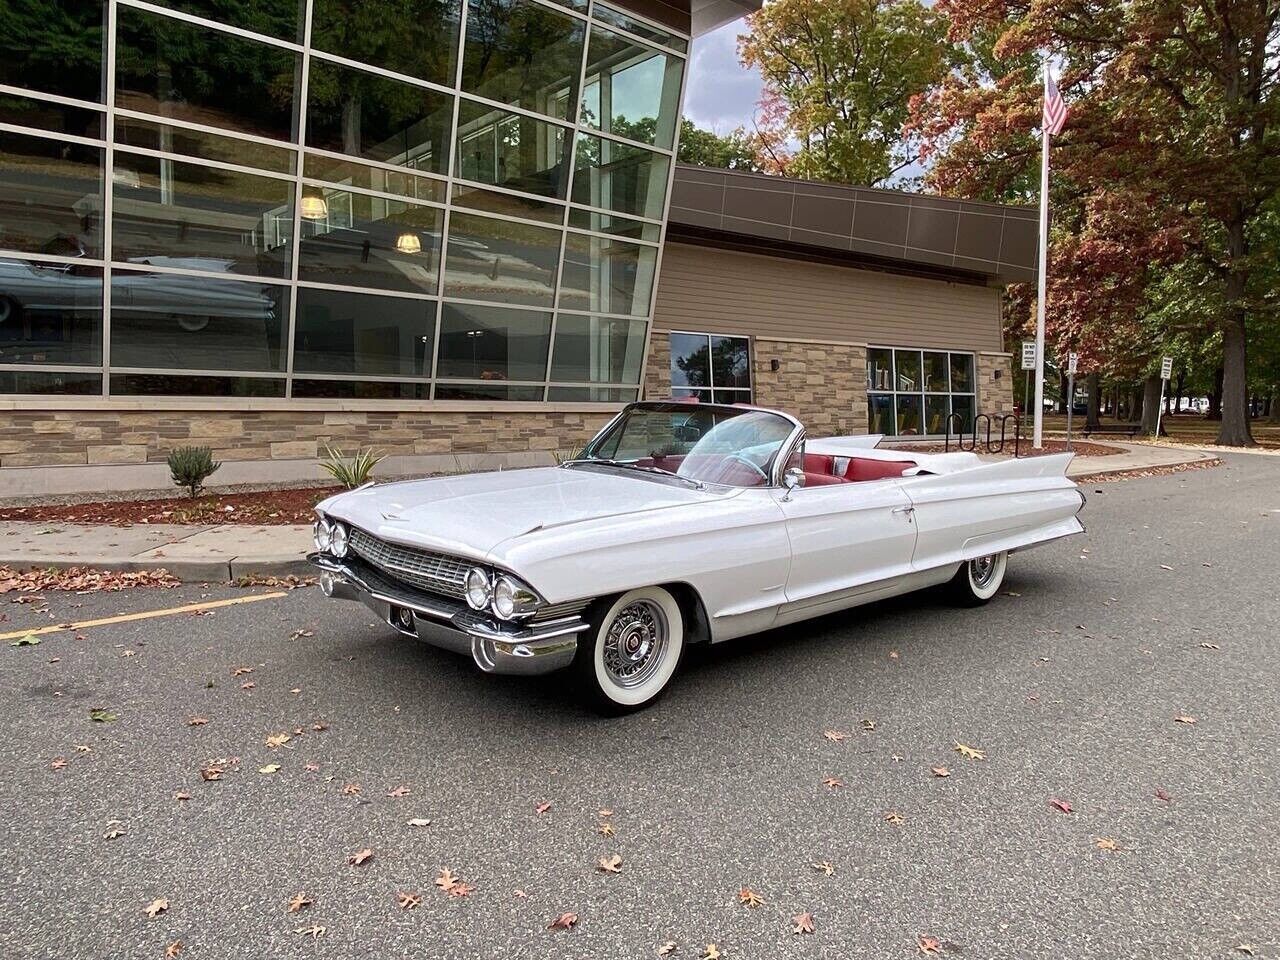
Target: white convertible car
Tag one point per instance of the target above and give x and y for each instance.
(681, 522)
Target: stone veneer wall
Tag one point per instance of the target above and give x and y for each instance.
(103, 436)
(995, 396)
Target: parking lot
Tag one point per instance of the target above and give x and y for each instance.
(1130, 676)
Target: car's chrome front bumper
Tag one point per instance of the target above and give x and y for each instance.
(521, 647)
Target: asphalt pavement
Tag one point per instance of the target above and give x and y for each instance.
(1071, 683)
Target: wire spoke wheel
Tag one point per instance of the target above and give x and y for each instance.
(636, 644)
(982, 570)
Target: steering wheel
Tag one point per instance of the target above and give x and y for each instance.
(750, 463)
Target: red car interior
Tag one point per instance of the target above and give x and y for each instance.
(819, 469)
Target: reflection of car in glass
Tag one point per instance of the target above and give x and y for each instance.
(679, 523)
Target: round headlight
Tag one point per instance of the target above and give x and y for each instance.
(479, 588)
(511, 598)
(323, 534)
(338, 540)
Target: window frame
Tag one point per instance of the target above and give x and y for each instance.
(921, 393)
(711, 387)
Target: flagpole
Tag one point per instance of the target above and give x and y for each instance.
(1037, 439)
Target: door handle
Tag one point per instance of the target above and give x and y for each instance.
(907, 510)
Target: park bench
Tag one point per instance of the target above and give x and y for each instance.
(1128, 429)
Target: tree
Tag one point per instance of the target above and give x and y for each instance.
(704, 148)
(843, 73)
(1173, 139)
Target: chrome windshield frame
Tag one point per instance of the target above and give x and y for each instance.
(784, 450)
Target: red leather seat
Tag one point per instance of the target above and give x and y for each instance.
(866, 469)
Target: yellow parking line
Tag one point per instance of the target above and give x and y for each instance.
(144, 615)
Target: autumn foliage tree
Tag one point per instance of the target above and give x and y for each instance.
(1172, 152)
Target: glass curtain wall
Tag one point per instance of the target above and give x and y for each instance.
(450, 199)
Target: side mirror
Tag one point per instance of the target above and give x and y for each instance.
(792, 478)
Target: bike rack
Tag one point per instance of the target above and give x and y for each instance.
(989, 446)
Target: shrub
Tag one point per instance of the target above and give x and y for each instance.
(190, 467)
(353, 471)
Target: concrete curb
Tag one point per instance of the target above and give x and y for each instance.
(188, 571)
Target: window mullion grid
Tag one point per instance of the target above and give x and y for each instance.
(108, 181)
(304, 79)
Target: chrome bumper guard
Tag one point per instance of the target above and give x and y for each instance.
(516, 647)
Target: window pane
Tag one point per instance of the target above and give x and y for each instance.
(908, 366)
(347, 172)
(690, 361)
(377, 118)
(175, 214)
(641, 29)
(634, 89)
(618, 177)
(35, 381)
(525, 54)
(731, 396)
(879, 370)
(936, 410)
(606, 276)
(592, 394)
(704, 396)
(50, 196)
(598, 349)
(508, 205)
(196, 323)
(908, 414)
(52, 47)
(363, 241)
(484, 391)
(962, 372)
(54, 117)
(275, 18)
(880, 413)
(510, 150)
(419, 39)
(491, 343)
(618, 226)
(361, 390)
(730, 362)
(962, 407)
(50, 312)
(499, 260)
(341, 332)
(208, 146)
(935, 372)
(180, 70)
(179, 385)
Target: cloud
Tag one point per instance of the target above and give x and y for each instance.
(721, 93)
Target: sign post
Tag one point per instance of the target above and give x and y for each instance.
(1028, 364)
(1166, 371)
(1073, 360)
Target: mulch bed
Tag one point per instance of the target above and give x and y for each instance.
(1080, 447)
(1092, 478)
(260, 507)
(79, 580)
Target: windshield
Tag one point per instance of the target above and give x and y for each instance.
(707, 444)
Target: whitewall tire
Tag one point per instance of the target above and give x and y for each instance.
(628, 657)
(979, 579)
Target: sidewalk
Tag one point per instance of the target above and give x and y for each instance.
(231, 551)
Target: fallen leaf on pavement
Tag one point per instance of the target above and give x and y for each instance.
(803, 923)
(1165, 566)
(543, 807)
(197, 722)
(419, 822)
(99, 715)
(210, 773)
(241, 671)
(832, 782)
(1161, 794)
(408, 901)
(359, 857)
(968, 752)
(604, 812)
(605, 829)
(270, 768)
(868, 724)
(611, 864)
(929, 945)
(1244, 948)
(453, 885)
(1062, 805)
(668, 947)
(1210, 646)
(315, 933)
(940, 771)
(835, 736)
(566, 921)
(115, 832)
(299, 901)
(398, 792)
(1107, 843)
(182, 795)
(57, 763)
(156, 907)
(351, 789)
(248, 686)
(1184, 719)
(311, 767)
(173, 949)
(894, 817)
(749, 898)
(824, 866)
(711, 953)
(278, 740)
(30, 640)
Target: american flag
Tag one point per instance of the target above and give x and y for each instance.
(1055, 108)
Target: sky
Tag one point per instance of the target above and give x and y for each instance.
(720, 94)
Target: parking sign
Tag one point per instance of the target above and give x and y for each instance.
(1073, 360)
(1028, 355)
(1166, 368)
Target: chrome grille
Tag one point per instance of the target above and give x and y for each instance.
(556, 611)
(436, 572)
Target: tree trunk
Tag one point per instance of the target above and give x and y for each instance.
(1275, 403)
(1136, 396)
(1150, 404)
(1177, 396)
(1064, 400)
(1092, 412)
(1215, 397)
(1234, 430)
